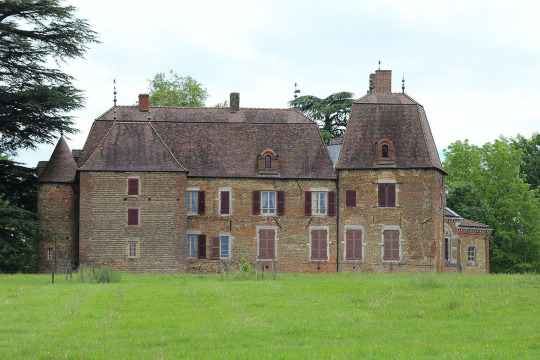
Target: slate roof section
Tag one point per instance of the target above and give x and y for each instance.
(396, 117)
(132, 146)
(61, 168)
(215, 142)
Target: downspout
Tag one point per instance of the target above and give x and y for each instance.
(337, 222)
(460, 266)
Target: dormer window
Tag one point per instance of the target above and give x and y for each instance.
(267, 162)
(384, 152)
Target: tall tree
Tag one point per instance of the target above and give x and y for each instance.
(34, 94)
(331, 113)
(176, 90)
(530, 168)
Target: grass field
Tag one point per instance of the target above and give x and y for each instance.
(342, 316)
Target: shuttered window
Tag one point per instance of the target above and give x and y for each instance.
(133, 216)
(281, 202)
(191, 246)
(307, 203)
(319, 244)
(201, 239)
(319, 202)
(353, 244)
(350, 198)
(267, 244)
(224, 207)
(192, 202)
(133, 187)
(331, 203)
(256, 202)
(201, 205)
(268, 204)
(215, 248)
(391, 245)
(387, 195)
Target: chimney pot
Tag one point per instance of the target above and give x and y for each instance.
(235, 101)
(144, 102)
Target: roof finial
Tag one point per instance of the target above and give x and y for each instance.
(114, 84)
(403, 84)
(379, 64)
(296, 91)
(114, 115)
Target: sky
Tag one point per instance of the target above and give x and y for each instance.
(473, 65)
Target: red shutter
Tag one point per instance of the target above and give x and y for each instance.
(307, 203)
(281, 202)
(382, 195)
(323, 243)
(225, 195)
(349, 244)
(387, 243)
(201, 240)
(133, 186)
(201, 202)
(331, 203)
(256, 202)
(133, 216)
(271, 244)
(314, 245)
(350, 198)
(262, 244)
(215, 248)
(391, 195)
(358, 244)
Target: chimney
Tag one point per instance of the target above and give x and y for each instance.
(382, 82)
(235, 102)
(144, 105)
(371, 83)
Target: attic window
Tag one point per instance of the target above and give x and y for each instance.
(384, 152)
(267, 162)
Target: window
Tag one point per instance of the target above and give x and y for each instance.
(133, 187)
(448, 253)
(268, 205)
(196, 246)
(387, 195)
(320, 203)
(350, 198)
(268, 162)
(391, 251)
(195, 202)
(225, 202)
(220, 247)
(353, 244)
(191, 246)
(385, 151)
(133, 249)
(133, 216)
(319, 244)
(50, 253)
(471, 255)
(267, 243)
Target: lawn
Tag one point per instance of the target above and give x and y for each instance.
(342, 316)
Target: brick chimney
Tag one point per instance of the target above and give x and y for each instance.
(235, 102)
(382, 81)
(144, 104)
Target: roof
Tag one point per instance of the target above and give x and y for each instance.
(464, 224)
(61, 168)
(213, 142)
(396, 117)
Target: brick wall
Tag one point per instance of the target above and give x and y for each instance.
(104, 232)
(461, 240)
(57, 206)
(418, 215)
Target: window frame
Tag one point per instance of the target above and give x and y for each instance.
(50, 253)
(362, 243)
(221, 190)
(229, 245)
(474, 261)
(274, 192)
(268, 161)
(189, 198)
(258, 229)
(136, 244)
(400, 243)
(319, 228)
(315, 204)
(195, 244)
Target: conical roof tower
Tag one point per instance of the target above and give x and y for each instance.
(61, 168)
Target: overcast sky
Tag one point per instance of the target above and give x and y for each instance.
(473, 65)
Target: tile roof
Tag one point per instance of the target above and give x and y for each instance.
(396, 117)
(61, 167)
(466, 223)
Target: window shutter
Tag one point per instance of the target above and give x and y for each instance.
(133, 216)
(357, 244)
(262, 244)
(225, 195)
(133, 186)
(215, 248)
(387, 253)
(331, 203)
(349, 244)
(271, 244)
(201, 243)
(395, 245)
(281, 202)
(323, 242)
(201, 202)
(256, 202)
(350, 198)
(391, 195)
(307, 203)
(314, 245)
(382, 195)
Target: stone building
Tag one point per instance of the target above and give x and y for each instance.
(173, 190)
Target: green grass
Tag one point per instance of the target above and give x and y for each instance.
(342, 316)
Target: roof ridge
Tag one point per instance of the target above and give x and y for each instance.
(166, 147)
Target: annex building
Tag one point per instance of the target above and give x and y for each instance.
(174, 190)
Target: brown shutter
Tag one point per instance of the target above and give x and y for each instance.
(201, 202)
(331, 203)
(382, 195)
(256, 202)
(215, 248)
(387, 252)
(323, 243)
(391, 195)
(271, 244)
(281, 202)
(395, 245)
(350, 198)
(262, 244)
(133, 186)
(225, 195)
(314, 244)
(133, 216)
(201, 243)
(307, 203)
(358, 244)
(349, 244)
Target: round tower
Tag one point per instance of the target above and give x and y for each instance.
(57, 206)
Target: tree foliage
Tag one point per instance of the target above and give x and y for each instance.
(36, 36)
(176, 90)
(530, 168)
(486, 185)
(331, 113)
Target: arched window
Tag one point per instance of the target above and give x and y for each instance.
(268, 161)
(385, 151)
